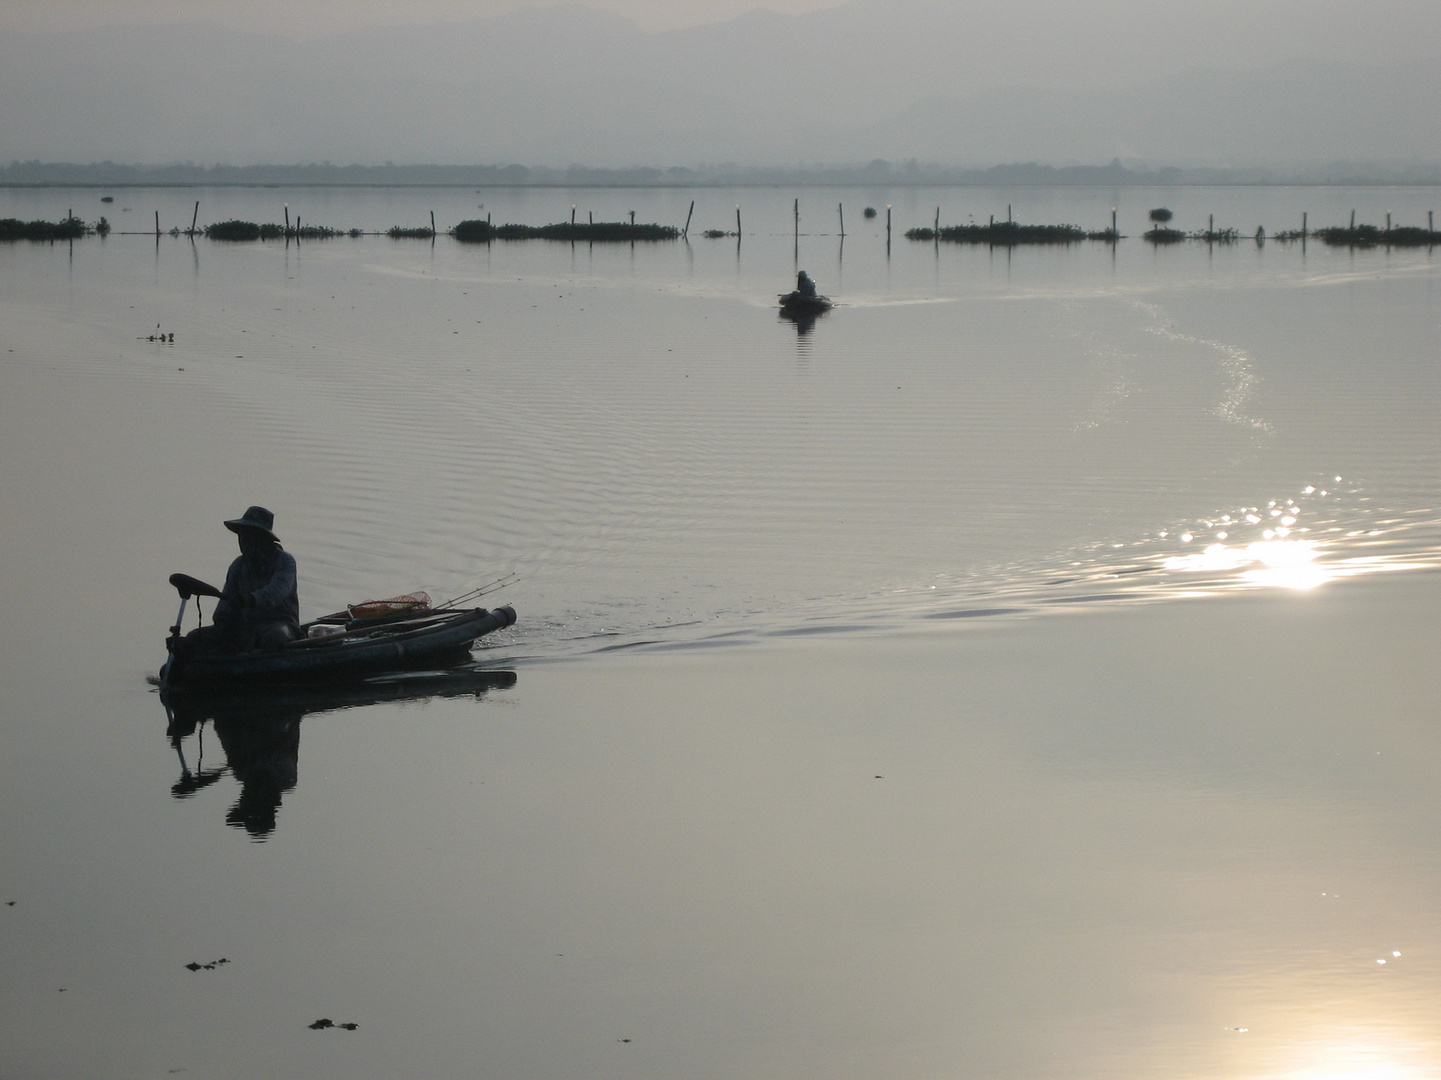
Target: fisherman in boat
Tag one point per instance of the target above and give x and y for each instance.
(258, 607)
(805, 285)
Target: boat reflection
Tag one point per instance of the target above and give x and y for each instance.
(259, 732)
(804, 320)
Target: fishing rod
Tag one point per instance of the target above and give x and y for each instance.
(490, 587)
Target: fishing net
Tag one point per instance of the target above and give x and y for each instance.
(395, 605)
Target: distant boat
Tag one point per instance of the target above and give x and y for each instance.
(107, 198)
(798, 303)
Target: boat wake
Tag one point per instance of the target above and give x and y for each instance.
(1320, 534)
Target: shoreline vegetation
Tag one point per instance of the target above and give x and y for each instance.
(1007, 233)
(37, 173)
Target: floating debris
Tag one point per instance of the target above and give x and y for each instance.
(193, 966)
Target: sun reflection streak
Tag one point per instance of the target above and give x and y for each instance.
(1278, 563)
(1363, 1056)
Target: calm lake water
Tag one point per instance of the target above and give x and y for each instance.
(1027, 670)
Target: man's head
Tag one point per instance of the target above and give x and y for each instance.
(253, 531)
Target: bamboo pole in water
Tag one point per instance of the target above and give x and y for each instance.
(432, 224)
(841, 210)
(738, 220)
(157, 224)
(195, 217)
(688, 213)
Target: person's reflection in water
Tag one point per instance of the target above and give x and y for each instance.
(261, 741)
(260, 732)
(262, 748)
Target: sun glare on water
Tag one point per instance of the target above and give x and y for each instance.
(1277, 563)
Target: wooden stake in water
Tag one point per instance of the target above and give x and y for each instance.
(572, 215)
(688, 213)
(798, 219)
(888, 228)
(432, 224)
(938, 223)
(287, 220)
(157, 224)
(738, 221)
(841, 210)
(1353, 219)
(195, 217)
(1114, 233)
(1303, 225)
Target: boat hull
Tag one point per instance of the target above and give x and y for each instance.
(345, 658)
(794, 303)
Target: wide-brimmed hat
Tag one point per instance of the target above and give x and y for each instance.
(257, 518)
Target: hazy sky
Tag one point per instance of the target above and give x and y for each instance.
(329, 16)
(684, 82)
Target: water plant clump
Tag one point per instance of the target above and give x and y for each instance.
(1365, 236)
(1162, 234)
(397, 232)
(249, 230)
(474, 231)
(233, 230)
(591, 232)
(716, 234)
(1009, 233)
(69, 228)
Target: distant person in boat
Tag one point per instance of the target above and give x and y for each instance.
(259, 607)
(804, 285)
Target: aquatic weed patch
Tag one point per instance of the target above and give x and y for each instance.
(1009, 233)
(70, 228)
(589, 232)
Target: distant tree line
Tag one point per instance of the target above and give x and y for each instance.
(879, 171)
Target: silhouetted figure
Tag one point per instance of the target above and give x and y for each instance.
(805, 285)
(259, 606)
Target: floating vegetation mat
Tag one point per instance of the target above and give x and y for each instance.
(1371, 236)
(250, 230)
(70, 228)
(1010, 233)
(590, 232)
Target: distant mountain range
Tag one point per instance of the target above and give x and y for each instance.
(548, 87)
